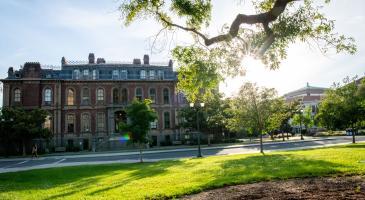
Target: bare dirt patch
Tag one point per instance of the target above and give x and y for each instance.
(328, 188)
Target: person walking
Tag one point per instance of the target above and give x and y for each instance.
(34, 151)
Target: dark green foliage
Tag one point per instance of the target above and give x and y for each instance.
(140, 115)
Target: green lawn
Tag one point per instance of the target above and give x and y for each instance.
(176, 178)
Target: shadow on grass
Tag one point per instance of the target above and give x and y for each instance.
(76, 179)
(269, 167)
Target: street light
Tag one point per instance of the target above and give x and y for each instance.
(197, 126)
(301, 132)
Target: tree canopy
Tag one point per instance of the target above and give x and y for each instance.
(265, 35)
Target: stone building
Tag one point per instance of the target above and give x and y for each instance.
(86, 100)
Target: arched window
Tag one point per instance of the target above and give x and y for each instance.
(115, 96)
(100, 94)
(47, 96)
(70, 97)
(152, 95)
(166, 118)
(85, 96)
(139, 94)
(17, 95)
(85, 122)
(124, 96)
(166, 96)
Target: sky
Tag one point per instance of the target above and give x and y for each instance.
(44, 31)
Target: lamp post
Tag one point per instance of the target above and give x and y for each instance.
(301, 116)
(197, 126)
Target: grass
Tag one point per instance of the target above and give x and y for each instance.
(169, 179)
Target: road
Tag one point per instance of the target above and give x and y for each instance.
(21, 164)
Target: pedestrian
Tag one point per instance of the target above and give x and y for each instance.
(34, 151)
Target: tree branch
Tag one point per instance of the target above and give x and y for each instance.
(263, 18)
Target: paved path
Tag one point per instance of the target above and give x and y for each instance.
(21, 164)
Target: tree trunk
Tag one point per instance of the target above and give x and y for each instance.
(261, 145)
(282, 134)
(23, 144)
(140, 153)
(353, 134)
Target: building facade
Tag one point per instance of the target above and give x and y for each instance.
(309, 96)
(86, 100)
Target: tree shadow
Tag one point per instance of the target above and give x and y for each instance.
(78, 178)
(270, 167)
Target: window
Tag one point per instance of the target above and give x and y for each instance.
(139, 94)
(115, 96)
(143, 74)
(17, 95)
(124, 96)
(70, 97)
(85, 122)
(47, 96)
(152, 95)
(166, 96)
(100, 94)
(95, 76)
(115, 74)
(47, 122)
(166, 118)
(76, 74)
(160, 74)
(152, 74)
(86, 74)
(100, 122)
(123, 74)
(85, 96)
(70, 121)
(153, 124)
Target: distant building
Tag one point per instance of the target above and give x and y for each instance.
(308, 96)
(86, 100)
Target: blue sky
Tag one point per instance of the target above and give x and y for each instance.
(44, 31)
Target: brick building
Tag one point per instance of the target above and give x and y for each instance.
(86, 100)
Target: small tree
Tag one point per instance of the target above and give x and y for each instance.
(253, 108)
(304, 118)
(140, 116)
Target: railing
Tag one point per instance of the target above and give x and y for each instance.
(53, 67)
(84, 62)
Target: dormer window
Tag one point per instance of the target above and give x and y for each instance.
(86, 73)
(115, 74)
(123, 74)
(76, 74)
(143, 74)
(152, 74)
(160, 74)
(94, 74)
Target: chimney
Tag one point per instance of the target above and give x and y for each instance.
(100, 61)
(63, 61)
(146, 59)
(91, 58)
(171, 63)
(136, 61)
(10, 72)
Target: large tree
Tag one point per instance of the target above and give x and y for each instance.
(344, 106)
(140, 115)
(265, 35)
(18, 124)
